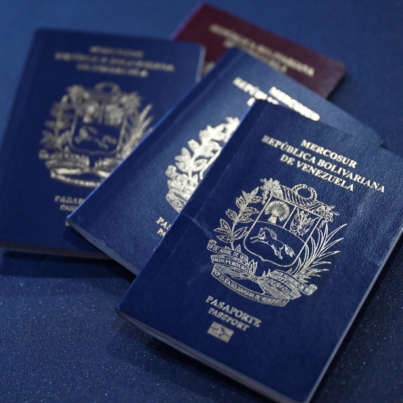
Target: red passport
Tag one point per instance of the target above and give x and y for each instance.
(218, 30)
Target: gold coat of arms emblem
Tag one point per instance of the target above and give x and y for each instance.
(276, 241)
(91, 131)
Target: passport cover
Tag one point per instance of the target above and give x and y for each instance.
(130, 212)
(84, 101)
(218, 30)
(267, 265)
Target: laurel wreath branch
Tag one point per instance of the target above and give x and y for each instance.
(314, 257)
(203, 154)
(193, 162)
(58, 134)
(229, 234)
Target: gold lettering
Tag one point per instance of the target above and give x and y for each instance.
(275, 59)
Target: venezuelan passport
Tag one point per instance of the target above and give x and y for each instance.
(127, 216)
(218, 31)
(267, 265)
(85, 100)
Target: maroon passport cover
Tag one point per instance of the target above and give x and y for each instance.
(218, 30)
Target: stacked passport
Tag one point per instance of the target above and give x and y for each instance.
(84, 101)
(257, 214)
(266, 266)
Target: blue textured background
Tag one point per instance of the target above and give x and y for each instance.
(60, 340)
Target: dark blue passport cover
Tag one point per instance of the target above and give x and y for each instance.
(84, 101)
(265, 268)
(130, 212)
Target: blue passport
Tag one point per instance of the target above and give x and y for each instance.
(267, 265)
(127, 216)
(84, 101)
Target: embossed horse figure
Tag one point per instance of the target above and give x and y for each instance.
(90, 134)
(272, 241)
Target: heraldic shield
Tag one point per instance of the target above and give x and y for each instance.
(92, 130)
(278, 240)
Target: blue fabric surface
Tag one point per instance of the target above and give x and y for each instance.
(60, 340)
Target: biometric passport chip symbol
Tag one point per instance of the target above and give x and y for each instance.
(92, 130)
(278, 240)
(193, 163)
(220, 331)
